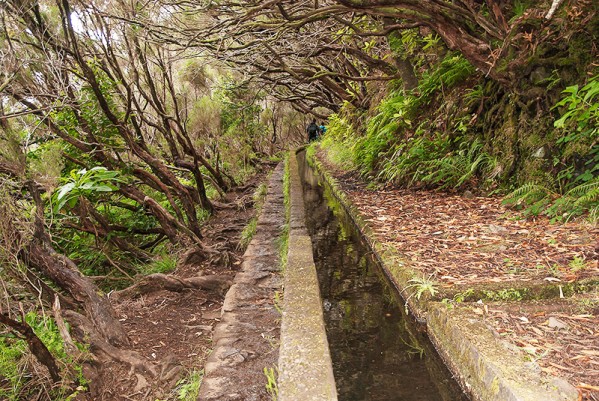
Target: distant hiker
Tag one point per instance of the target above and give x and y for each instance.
(312, 131)
(322, 129)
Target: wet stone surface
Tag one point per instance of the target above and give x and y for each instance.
(246, 338)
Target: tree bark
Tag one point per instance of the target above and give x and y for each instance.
(36, 346)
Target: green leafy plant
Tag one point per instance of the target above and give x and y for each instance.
(15, 365)
(506, 294)
(577, 264)
(419, 287)
(248, 233)
(538, 199)
(84, 183)
(461, 296)
(188, 388)
(409, 157)
(457, 169)
(164, 263)
(250, 229)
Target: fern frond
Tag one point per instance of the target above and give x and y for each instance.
(583, 189)
(530, 193)
(588, 198)
(594, 214)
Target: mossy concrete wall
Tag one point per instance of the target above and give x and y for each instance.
(305, 367)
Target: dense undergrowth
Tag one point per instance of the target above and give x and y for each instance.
(458, 131)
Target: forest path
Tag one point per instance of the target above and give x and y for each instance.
(246, 339)
(174, 329)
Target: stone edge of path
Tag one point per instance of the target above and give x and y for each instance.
(250, 297)
(305, 366)
(485, 366)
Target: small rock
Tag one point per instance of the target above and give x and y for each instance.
(555, 323)
(540, 153)
(563, 386)
(468, 194)
(495, 229)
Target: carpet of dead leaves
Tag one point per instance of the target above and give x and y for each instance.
(562, 336)
(472, 240)
(469, 240)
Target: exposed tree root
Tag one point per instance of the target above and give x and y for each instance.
(158, 281)
(84, 330)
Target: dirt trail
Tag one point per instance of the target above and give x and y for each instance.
(174, 329)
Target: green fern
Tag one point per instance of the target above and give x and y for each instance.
(527, 193)
(583, 198)
(456, 170)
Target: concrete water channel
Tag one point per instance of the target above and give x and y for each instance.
(344, 334)
(378, 352)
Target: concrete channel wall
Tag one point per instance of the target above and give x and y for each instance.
(486, 368)
(305, 367)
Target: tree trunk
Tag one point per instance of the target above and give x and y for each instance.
(40, 255)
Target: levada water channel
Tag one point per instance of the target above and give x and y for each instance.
(378, 353)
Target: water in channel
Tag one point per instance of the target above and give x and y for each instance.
(378, 353)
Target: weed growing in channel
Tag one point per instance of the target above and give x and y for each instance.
(250, 229)
(421, 286)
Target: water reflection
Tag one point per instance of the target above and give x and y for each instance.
(377, 354)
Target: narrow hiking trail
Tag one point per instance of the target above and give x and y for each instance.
(175, 328)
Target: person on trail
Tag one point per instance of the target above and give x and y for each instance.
(312, 131)
(322, 128)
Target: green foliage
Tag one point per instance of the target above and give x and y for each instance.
(12, 367)
(340, 134)
(271, 383)
(260, 193)
(577, 264)
(579, 125)
(248, 233)
(420, 286)
(506, 294)
(457, 169)
(577, 186)
(84, 183)
(462, 296)
(406, 162)
(188, 388)
(452, 70)
(15, 363)
(237, 123)
(164, 264)
(382, 129)
(394, 147)
(284, 238)
(250, 229)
